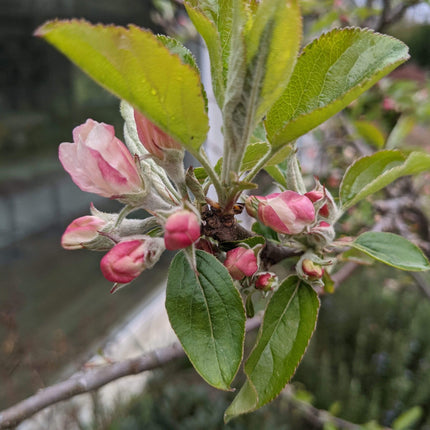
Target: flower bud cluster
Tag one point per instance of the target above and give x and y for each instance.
(134, 173)
(306, 223)
(242, 263)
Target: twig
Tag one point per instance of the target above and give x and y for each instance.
(318, 416)
(93, 379)
(85, 382)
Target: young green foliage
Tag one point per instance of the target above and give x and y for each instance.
(374, 172)
(213, 20)
(258, 71)
(393, 250)
(331, 72)
(137, 67)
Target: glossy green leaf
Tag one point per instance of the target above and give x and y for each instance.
(207, 315)
(288, 324)
(372, 173)
(134, 65)
(393, 250)
(330, 73)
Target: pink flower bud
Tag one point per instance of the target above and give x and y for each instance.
(287, 212)
(315, 196)
(241, 262)
(155, 140)
(100, 163)
(81, 231)
(312, 270)
(266, 281)
(128, 259)
(181, 230)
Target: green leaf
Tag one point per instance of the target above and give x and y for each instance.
(204, 15)
(356, 256)
(265, 231)
(207, 315)
(370, 133)
(270, 53)
(253, 154)
(201, 174)
(372, 173)
(259, 68)
(134, 65)
(393, 250)
(401, 130)
(277, 174)
(177, 48)
(288, 324)
(330, 73)
(408, 419)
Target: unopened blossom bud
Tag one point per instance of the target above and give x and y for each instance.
(315, 196)
(181, 230)
(155, 140)
(287, 212)
(241, 262)
(266, 281)
(81, 231)
(321, 235)
(312, 270)
(128, 259)
(100, 163)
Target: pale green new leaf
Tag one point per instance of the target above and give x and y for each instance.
(288, 324)
(253, 154)
(372, 173)
(207, 315)
(213, 20)
(272, 44)
(208, 30)
(134, 65)
(330, 73)
(393, 250)
(277, 174)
